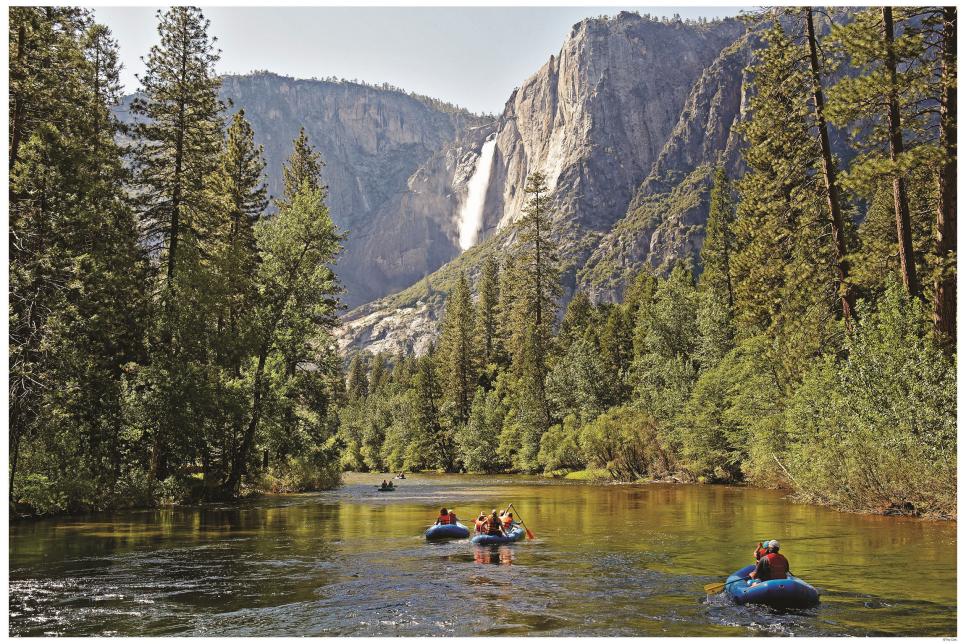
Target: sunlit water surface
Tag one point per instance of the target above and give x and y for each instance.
(607, 560)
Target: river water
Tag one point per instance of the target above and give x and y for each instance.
(607, 560)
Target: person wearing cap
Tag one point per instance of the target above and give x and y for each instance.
(773, 565)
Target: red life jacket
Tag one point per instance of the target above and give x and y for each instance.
(443, 519)
(777, 565)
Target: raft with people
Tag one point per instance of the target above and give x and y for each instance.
(449, 531)
(515, 533)
(768, 581)
(790, 592)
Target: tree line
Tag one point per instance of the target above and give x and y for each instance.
(812, 348)
(168, 340)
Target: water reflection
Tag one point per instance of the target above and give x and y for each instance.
(501, 555)
(610, 560)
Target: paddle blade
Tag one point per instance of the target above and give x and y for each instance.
(711, 589)
(529, 533)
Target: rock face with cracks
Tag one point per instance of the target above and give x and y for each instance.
(625, 121)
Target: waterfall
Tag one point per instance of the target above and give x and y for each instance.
(471, 215)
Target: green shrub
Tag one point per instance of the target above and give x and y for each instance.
(560, 447)
(624, 441)
(877, 430)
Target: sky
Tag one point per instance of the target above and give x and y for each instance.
(470, 56)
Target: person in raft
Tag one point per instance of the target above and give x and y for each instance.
(773, 565)
(452, 516)
(507, 521)
(761, 550)
(445, 517)
(480, 523)
(494, 526)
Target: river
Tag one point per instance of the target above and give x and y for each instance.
(607, 560)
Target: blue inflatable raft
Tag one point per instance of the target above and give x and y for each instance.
(449, 531)
(776, 593)
(515, 534)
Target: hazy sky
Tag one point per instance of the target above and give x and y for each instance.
(471, 56)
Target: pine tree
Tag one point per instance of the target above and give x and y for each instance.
(178, 131)
(716, 312)
(829, 173)
(179, 141)
(238, 192)
(380, 372)
(458, 354)
(304, 166)
(944, 286)
(297, 292)
(434, 444)
(576, 320)
(887, 104)
(536, 274)
(617, 352)
(786, 269)
(719, 240)
(76, 302)
(486, 311)
(357, 385)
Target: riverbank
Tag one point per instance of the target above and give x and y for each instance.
(273, 486)
(603, 477)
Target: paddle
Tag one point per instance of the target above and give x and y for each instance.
(713, 589)
(529, 533)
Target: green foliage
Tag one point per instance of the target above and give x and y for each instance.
(458, 354)
(625, 442)
(478, 439)
(877, 429)
(560, 447)
(164, 357)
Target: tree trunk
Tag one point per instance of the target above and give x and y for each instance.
(944, 302)
(846, 296)
(241, 457)
(907, 261)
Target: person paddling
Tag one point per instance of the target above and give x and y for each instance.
(773, 565)
(507, 521)
(762, 549)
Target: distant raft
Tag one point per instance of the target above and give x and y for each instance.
(449, 531)
(386, 489)
(776, 593)
(515, 534)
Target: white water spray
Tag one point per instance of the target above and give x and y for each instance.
(471, 215)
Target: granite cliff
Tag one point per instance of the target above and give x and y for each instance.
(626, 122)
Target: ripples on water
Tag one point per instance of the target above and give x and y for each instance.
(614, 560)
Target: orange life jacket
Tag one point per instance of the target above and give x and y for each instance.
(507, 521)
(777, 565)
(444, 519)
(493, 527)
(760, 552)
